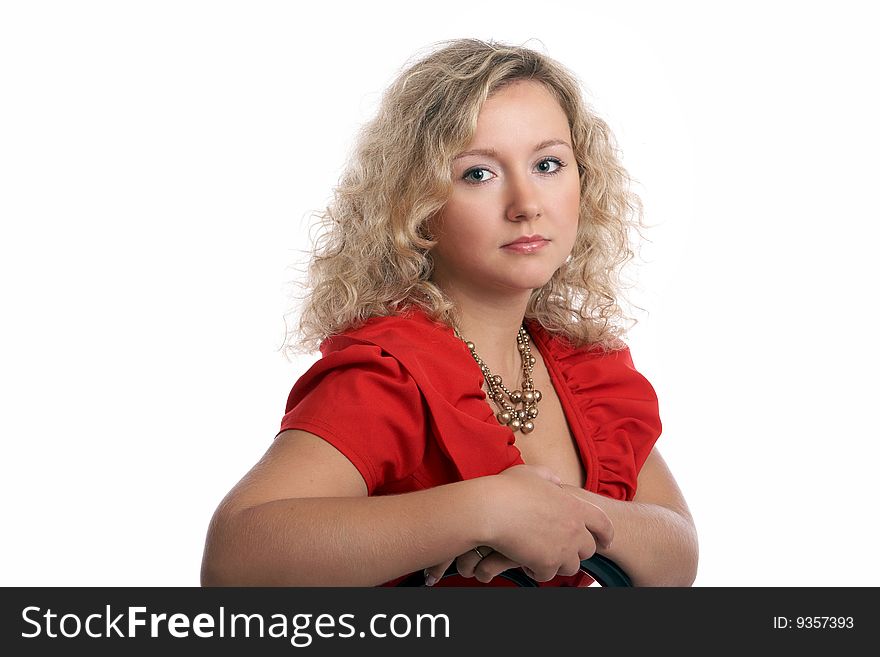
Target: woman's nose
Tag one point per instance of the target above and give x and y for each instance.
(523, 200)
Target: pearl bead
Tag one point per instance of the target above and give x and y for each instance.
(470, 345)
(516, 395)
(528, 427)
(532, 412)
(538, 395)
(515, 424)
(504, 417)
(521, 414)
(529, 396)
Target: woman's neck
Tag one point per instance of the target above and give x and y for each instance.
(493, 329)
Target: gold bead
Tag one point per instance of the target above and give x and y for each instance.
(532, 360)
(521, 414)
(470, 345)
(528, 427)
(515, 424)
(496, 379)
(504, 417)
(532, 412)
(538, 395)
(516, 396)
(529, 396)
(522, 346)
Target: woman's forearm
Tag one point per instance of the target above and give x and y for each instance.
(343, 541)
(654, 545)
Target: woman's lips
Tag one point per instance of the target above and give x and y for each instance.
(526, 247)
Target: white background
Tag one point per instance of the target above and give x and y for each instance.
(159, 162)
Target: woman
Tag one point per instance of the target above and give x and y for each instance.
(475, 402)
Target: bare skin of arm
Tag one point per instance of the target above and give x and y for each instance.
(655, 541)
(301, 517)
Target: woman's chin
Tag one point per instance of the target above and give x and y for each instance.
(526, 284)
(531, 276)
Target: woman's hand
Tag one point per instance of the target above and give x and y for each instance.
(482, 562)
(541, 525)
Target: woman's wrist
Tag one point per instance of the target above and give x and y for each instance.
(488, 506)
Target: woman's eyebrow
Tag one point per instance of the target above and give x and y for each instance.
(491, 152)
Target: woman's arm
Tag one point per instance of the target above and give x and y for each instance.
(655, 540)
(325, 541)
(301, 517)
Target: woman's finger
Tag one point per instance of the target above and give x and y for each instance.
(467, 562)
(434, 573)
(492, 566)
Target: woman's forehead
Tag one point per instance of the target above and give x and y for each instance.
(525, 113)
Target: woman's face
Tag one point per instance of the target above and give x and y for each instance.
(517, 178)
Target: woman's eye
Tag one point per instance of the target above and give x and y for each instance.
(478, 175)
(550, 165)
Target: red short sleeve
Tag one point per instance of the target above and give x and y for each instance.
(363, 402)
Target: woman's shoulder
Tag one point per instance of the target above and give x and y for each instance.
(409, 331)
(375, 360)
(562, 347)
(592, 369)
(427, 350)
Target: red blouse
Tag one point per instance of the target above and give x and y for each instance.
(401, 397)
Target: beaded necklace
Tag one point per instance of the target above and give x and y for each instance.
(518, 419)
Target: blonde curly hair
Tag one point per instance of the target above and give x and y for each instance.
(373, 258)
